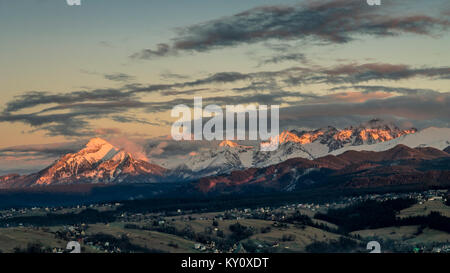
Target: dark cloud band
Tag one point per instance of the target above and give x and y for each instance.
(325, 22)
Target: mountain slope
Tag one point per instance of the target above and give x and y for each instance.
(397, 166)
(98, 162)
(447, 150)
(227, 156)
(438, 138)
(369, 133)
(230, 156)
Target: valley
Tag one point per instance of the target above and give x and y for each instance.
(293, 227)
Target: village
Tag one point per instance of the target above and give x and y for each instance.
(257, 229)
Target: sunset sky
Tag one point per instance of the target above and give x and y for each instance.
(115, 68)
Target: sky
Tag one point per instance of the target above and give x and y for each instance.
(115, 68)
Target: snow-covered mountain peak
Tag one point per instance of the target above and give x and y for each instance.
(438, 138)
(287, 136)
(99, 161)
(228, 143)
(96, 150)
(97, 142)
(310, 144)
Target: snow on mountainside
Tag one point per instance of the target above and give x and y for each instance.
(285, 151)
(374, 131)
(98, 162)
(438, 138)
(398, 166)
(227, 156)
(317, 143)
(101, 162)
(96, 151)
(313, 144)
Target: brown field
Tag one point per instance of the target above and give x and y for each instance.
(393, 233)
(430, 236)
(149, 239)
(22, 236)
(425, 209)
(406, 235)
(303, 237)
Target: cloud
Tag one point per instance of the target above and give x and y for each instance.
(35, 98)
(356, 96)
(262, 80)
(351, 73)
(420, 107)
(133, 147)
(162, 50)
(75, 127)
(75, 123)
(274, 97)
(106, 44)
(27, 159)
(42, 150)
(74, 113)
(107, 131)
(119, 77)
(424, 110)
(221, 77)
(356, 73)
(279, 58)
(298, 75)
(194, 91)
(130, 119)
(173, 76)
(325, 22)
(379, 88)
(159, 149)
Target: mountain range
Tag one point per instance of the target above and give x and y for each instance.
(373, 153)
(374, 135)
(351, 169)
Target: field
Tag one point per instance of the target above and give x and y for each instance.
(20, 237)
(426, 208)
(148, 239)
(301, 238)
(288, 228)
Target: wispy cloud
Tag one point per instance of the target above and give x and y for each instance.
(119, 77)
(35, 98)
(42, 150)
(279, 58)
(388, 89)
(173, 76)
(422, 110)
(73, 113)
(357, 73)
(325, 22)
(147, 54)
